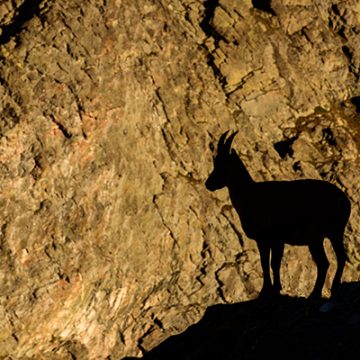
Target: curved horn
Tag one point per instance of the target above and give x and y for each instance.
(228, 142)
(221, 142)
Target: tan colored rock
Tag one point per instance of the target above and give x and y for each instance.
(109, 240)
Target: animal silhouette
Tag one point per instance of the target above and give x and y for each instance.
(275, 213)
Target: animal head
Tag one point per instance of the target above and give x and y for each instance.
(222, 163)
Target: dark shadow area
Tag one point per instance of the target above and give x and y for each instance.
(356, 101)
(206, 25)
(284, 147)
(25, 12)
(272, 328)
(209, 11)
(264, 5)
(347, 52)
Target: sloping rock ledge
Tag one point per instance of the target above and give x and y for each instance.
(283, 327)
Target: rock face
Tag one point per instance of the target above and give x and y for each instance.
(109, 241)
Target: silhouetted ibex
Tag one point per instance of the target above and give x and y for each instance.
(274, 213)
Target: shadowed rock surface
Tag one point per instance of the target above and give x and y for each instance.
(265, 328)
(109, 111)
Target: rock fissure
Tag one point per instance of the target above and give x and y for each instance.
(220, 285)
(175, 242)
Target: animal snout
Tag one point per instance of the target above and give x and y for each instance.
(210, 185)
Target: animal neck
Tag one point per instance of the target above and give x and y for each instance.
(238, 177)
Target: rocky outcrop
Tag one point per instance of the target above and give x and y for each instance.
(273, 327)
(109, 241)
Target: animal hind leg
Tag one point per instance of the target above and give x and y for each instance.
(338, 246)
(277, 252)
(264, 249)
(322, 263)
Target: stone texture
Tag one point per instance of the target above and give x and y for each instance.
(110, 242)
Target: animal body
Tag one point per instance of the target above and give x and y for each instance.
(275, 213)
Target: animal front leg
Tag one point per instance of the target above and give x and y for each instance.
(277, 251)
(337, 243)
(264, 249)
(322, 264)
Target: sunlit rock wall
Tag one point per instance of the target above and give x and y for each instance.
(109, 240)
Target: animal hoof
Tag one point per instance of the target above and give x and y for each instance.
(268, 292)
(315, 297)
